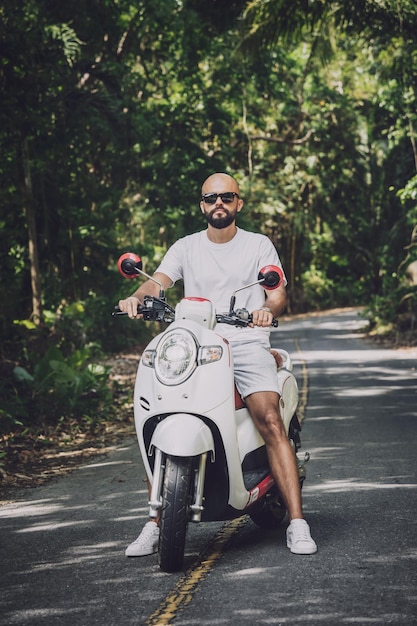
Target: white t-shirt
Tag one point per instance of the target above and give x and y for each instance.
(215, 270)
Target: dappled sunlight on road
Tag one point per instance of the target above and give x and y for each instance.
(252, 571)
(54, 525)
(366, 391)
(76, 533)
(352, 484)
(328, 452)
(65, 542)
(33, 616)
(84, 554)
(35, 508)
(100, 464)
(76, 526)
(336, 418)
(410, 553)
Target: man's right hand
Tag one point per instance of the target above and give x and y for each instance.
(130, 306)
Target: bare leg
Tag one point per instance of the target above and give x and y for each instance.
(264, 409)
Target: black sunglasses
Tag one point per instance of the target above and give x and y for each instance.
(227, 197)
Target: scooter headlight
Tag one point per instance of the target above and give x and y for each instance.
(176, 357)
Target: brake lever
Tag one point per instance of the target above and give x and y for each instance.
(241, 318)
(153, 310)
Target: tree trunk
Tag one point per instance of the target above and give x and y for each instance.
(37, 314)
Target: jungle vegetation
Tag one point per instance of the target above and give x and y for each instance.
(112, 114)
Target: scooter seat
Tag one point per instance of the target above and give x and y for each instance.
(278, 358)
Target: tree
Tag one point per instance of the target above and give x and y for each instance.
(368, 48)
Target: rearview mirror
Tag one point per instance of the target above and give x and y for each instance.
(129, 265)
(271, 276)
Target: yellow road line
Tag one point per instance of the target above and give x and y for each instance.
(186, 587)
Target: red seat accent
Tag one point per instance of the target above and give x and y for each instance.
(239, 402)
(278, 358)
(196, 299)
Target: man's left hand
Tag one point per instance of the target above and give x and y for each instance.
(262, 317)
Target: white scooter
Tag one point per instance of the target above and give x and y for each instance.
(203, 456)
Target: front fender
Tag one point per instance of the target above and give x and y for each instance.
(182, 434)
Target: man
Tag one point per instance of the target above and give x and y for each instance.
(213, 263)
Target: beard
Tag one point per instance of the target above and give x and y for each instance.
(221, 222)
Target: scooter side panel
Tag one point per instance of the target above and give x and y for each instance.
(289, 395)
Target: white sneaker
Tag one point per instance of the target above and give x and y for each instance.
(299, 540)
(146, 543)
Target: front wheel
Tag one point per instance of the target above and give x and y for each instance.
(175, 513)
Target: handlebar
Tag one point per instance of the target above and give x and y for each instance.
(157, 310)
(152, 310)
(241, 318)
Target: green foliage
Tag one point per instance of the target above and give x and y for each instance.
(381, 314)
(318, 289)
(68, 38)
(68, 381)
(59, 388)
(90, 322)
(112, 116)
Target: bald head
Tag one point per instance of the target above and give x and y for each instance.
(219, 183)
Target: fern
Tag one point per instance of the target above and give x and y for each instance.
(67, 36)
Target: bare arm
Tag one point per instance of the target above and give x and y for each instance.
(275, 304)
(148, 288)
(277, 300)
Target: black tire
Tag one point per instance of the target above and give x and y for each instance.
(294, 432)
(270, 514)
(175, 513)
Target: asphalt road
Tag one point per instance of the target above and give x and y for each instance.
(62, 545)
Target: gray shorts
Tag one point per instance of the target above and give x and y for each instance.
(255, 368)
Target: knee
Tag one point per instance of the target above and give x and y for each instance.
(271, 424)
